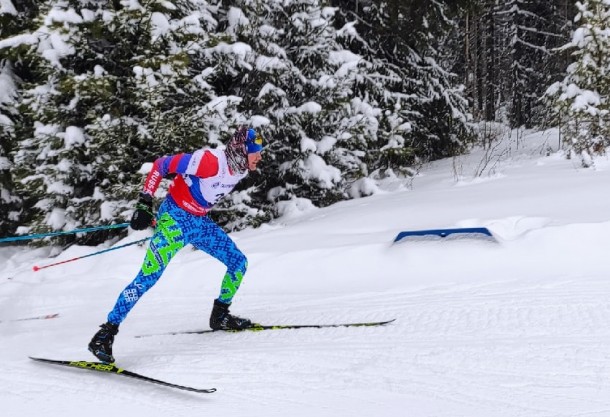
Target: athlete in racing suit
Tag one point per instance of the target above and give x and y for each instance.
(202, 178)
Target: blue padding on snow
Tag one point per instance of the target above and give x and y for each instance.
(474, 231)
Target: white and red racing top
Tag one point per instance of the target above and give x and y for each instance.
(203, 178)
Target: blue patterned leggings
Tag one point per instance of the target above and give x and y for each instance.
(175, 229)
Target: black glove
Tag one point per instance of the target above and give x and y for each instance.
(143, 216)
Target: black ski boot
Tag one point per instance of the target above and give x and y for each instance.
(101, 344)
(221, 319)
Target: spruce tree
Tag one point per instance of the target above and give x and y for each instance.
(341, 102)
(117, 86)
(15, 18)
(581, 100)
(528, 33)
(309, 93)
(8, 200)
(405, 41)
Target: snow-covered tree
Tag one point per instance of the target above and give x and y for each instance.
(527, 38)
(429, 115)
(117, 87)
(504, 56)
(8, 200)
(14, 18)
(310, 94)
(582, 98)
(113, 85)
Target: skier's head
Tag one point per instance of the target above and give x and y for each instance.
(243, 149)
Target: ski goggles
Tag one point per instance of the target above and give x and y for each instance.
(254, 141)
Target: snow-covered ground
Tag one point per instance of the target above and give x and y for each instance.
(515, 328)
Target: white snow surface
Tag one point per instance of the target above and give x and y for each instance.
(520, 327)
(6, 7)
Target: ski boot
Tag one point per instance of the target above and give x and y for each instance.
(221, 319)
(101, 344)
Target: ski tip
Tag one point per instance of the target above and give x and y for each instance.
(34, 358)
(43, 360)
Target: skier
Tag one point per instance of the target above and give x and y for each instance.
(202, 179)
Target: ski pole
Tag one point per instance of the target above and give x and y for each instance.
(38, 268)
(41, 235)
(46, 316)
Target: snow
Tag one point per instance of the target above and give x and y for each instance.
(59, 188)
(268, 64)
(342, 57)
(309, 107)
(5, 163)
(146, 73)
(6, 7)
(308, 145)
(53, 47)
(258, 121)
(315, 168)
(159, 24)
(236, 18)
(295, 208)
(107, 211)
(132, 5)
(58, 15)
(326, 144)
(18, 40)
(269, 88)
(88, 15)
(8, 89)
(238, 49)
(74, 136)
(168, 5)
(222, 103)
(514, 328)
(56, 219)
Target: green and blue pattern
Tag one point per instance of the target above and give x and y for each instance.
(175, 229)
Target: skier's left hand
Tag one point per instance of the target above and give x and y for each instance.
(143, 216)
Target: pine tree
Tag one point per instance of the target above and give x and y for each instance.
(582, 98)
(426, 98)
(14, 19)
(113, 85)
(310, 94)
(116, 87)
(508, 60)
(483, 50)
(531, 30)
(8, 200)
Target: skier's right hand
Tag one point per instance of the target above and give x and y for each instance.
(143, 216)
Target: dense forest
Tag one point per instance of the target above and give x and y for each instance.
(345, 92)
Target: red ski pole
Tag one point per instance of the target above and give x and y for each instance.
(38, 268)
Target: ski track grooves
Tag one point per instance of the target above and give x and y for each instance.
(502, 349)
